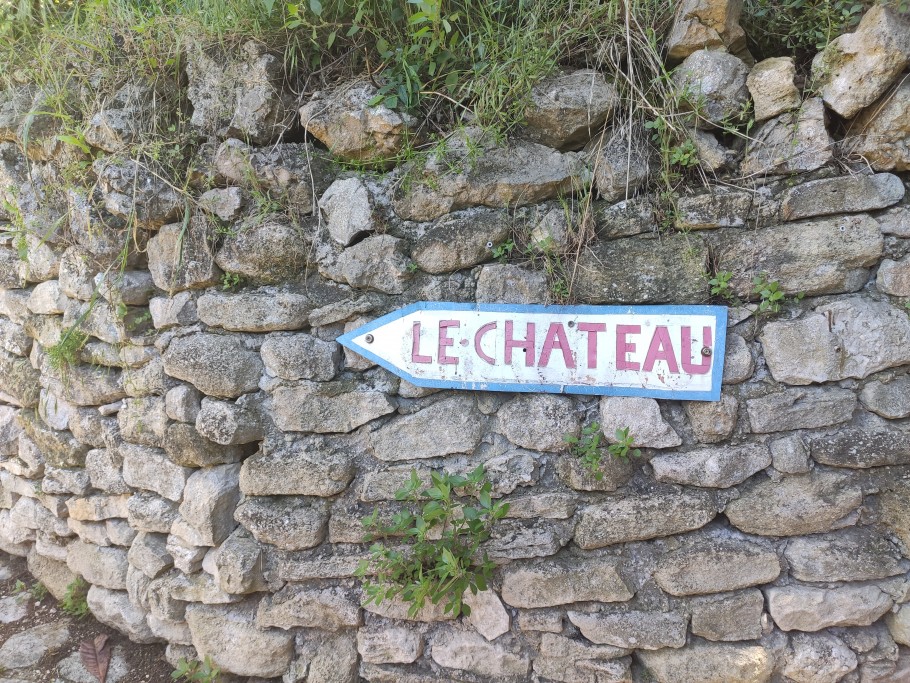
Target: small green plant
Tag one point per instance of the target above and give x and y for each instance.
(770, 293)
(503, 251)
(587, 447)
(442, 530)
(196, 672)
(38, 590)
(412, 267)
(75, 601)
(66, 352)
(720, 286)
(19, 587)
(684, 154)
(230, 281)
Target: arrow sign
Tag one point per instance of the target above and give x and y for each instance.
(656, 351)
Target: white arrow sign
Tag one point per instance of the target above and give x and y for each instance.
(658, 351)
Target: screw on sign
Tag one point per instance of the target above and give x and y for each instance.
(656, 351)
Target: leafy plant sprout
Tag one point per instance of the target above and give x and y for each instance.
(587, 447)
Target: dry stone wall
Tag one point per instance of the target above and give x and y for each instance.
(207, 458)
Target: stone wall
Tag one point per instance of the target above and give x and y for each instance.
(206, 461)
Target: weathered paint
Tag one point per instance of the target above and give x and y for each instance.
(657, 351)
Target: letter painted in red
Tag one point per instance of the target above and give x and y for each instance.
(592, 329)
(556, 339)
(625, 347)
(445, 340)
(527, 344)
(478, 340)
(704, 365)
(661, 348)
(416, 356)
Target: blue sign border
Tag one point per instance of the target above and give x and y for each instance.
(717, 366)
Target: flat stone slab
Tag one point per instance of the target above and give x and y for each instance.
(13, 608)
(27, 648)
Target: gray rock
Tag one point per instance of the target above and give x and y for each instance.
(47, 299)
(229, 423)
(105, 470)
(637, 271)
(713, 85)
(296, 605)
(894, 277)
(131, 190)
(339, 406)
(237, 92)
(187, 555)
(563, 581)
(18, 380)
(504, 283)
(209, 500)
(807, 408)
(53, 574)
(624, 219)
(848, 194)
(621, 165)
(182, 403)
(261, 310)
(731, 617)
(575, 661)
(296, 173)
(309, 466)
(516, 539)
(332, 658)
(115, 609)
(60, 449)
(149, 555)
(488, 616)
(266, 652)
(713, 421)
(150, 469)
(216, 365)
(712, 156)
(716, 566)
(710, 25)
(97, 508)
(143, 420)
(794, 142)
(803, 608)
(567, 109)
(790, 455)
(239, 563)
(641, 416)
(77, 273)
(851, 337)
(61, 481)
(720, 467)
(890, 399)
(822, 256)
(461, 240)
(266, 249)
(182, 258)
(882, 132)
(179, 309)
(821, 658)
(638, 518)
(710, 663)
(633, 630)
(800, 504)
(519, 173)
(771, 86)
(899, 624)
(25, 649)
(857, 554)
(871, 443)
(389, 645)
(471, 652)
(344, 121)
(539, 422)
(614, 472)
(856, 68)
(377, 263)
(14, 339)
(719, 208)
(286, 522)
(348, 208)
(224, 202)
(148, 512)
(129, 287)
(13, 608)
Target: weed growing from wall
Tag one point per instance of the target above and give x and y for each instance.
(589, 451)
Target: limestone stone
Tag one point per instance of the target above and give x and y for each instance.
(515, 539)
(539, 422)
(215, 630)
(179, 309)
(187, 554)
(260, 310)
(563, 581)
(231, 422)
(309, 466)
(209, 500)
(224, 202)
(389, 645)
(348, 209)
(770, 83)
(290, 523)
(713, 421)
(28, 513)
(818, 658)
(47, 299)
(18, 380)
(614, 472)
(804, 608)
(713, 85)
(715, 567)
(569, 660)
(217, 365)
(104, 467)
(790, 454)
(807, 408)
(844, 348)
(719, 467)
(640, 517)
(634, 629)
(150, 469)
(718, 208)
(711, 24)
(890, 399)
(899, 625)
(471, 652)
(882, 129)
(60, 449)
(710, 663)
(181, 259)
(114, 608)
(77, 272)
(13, 608)
(129, 287)
(504, 283)
(14, 339)
(894, 277)
(376, 263)
(338, 406)
(461, 240)
(148, 512)
(400, 610)
(516, 173)
(820, 256)
(488, 616)
(847, 194)
(641, 416)
(627, 218)
(636, 270)
(799, 504)
(332, 658)
(856, 68)
(621, 165)
(856, 554)
(351, 128)
(300, 356)
(712, 156)
(295, 172)
(63, 481)
(185, 446)
(97, 508)
(54, 411)
(297, 605)
(143, 420)
(729, 617)
(53, 574)
(239, 564)
(794, 142)
(148, 554)
(873, 442)
(104, 567)
(25, 649)
(182, 403)
(265, 250)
